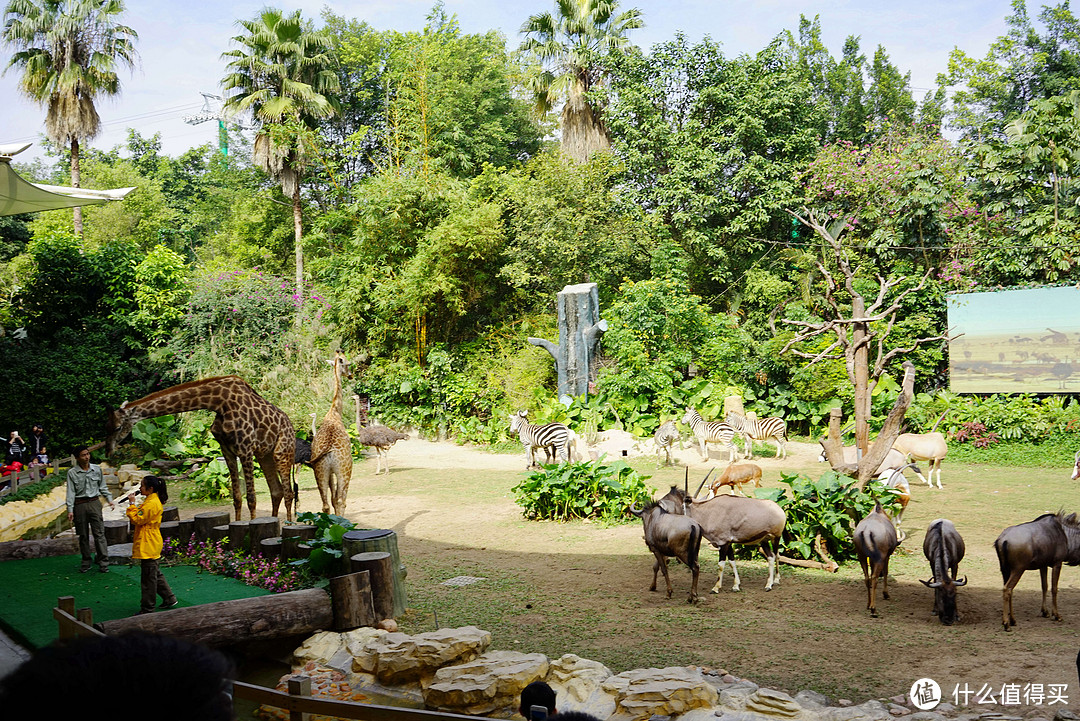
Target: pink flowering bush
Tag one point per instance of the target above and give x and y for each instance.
(212, 556)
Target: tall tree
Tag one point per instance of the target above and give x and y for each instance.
(283, 76)
(571, 45)
(68, 51)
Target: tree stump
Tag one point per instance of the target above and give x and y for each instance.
(379, 566)
(270, 547)
(350, 596)
(170, 529)
(379, 539)
(218, 533)
(117, 532)
(187, 529)
(292, 536)
(239, 536)
(261, 529)
(170, 513)
(205, 522)
(580, 328)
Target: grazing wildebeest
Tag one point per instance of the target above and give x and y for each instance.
(669, 534)
(944, 549)
(726, 520)
(1047, 542)
(875, 540)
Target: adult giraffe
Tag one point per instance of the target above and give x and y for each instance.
(331, 451)
(246, 426)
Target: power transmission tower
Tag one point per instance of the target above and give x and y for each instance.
(213, 109)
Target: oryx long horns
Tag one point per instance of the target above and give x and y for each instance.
(702, 480)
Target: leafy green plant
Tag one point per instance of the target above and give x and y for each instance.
(830, 506)
(588, 489)
(210, 482)
(326, 546)
(30, 491)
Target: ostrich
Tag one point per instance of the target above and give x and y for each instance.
(378, 437)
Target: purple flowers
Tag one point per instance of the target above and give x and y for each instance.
(267, 573)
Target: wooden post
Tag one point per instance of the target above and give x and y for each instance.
(186, 529)
(204, 522)
(381, 578)
(170, 529)
(353, 606)
(580, 328)
(299, 686)
(170, 513)
(218, 533)
(862, 395)
(117, 532)
(292, 536)
(270, 547)
(261, 529)
(239, 536)
(379, 539)
(85, 615)
(67, 605)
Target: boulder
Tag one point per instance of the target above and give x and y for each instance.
(578, 685)
(773, 703)
(399, 658)
(489, 683)
(869, 711)
(642, 693)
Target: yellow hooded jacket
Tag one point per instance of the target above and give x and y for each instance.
(147, 520)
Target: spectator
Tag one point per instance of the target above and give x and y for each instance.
(156, 677)
(537, 701)
(146, 546)
(16, 449)
(36, 450)
(85, 486)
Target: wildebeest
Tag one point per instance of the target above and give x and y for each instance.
(669, 534)
(1047, 542)
(875, 541)
(944, 549)
(726, 520)
(930, 447)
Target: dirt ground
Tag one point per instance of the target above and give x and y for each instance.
(583, 588)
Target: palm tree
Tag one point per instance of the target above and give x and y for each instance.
(282, 76)
(570, 46)
(68, 51)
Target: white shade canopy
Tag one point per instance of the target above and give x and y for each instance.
(19, 196)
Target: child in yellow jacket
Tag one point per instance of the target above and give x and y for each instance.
(147, 544)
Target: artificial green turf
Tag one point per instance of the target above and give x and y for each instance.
(29, 589)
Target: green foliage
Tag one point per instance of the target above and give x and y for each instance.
(588, 489)
(830, 507)
(210, 482)
(326, 546)
(30, 491)
(160, 292)
(1013, 417)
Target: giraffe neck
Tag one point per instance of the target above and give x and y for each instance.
(337, 403)
(180, 399)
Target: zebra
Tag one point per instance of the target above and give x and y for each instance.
(710, 432)
(534, 436)
(753, 429)
(665, 438)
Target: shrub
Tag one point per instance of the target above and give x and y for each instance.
(588, 489)
(830, 507)
(30, 491)
(326, 546)
(211, 556)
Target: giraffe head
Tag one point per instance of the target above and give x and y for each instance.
(117, 427)
(341, 364)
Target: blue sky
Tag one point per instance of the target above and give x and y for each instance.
(180, 44)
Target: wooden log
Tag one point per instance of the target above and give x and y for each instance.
(44, 548)
(350, 597)
(205, 522)
(263, 528)
(187, 529)
(303, 550)
(170, 529)
(218, 533)
(239, 536)
(379, 539)
(292, 536)
(170, 513)
(270, 547)
(225, 623)
(117, 532)
(380, 568)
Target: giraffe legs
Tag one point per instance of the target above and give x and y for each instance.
(248, 466)
(278, 489)
(234, 480)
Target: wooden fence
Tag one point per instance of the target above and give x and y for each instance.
(35, 474)
(297, 701)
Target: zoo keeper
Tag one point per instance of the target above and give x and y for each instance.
(85, 486)
(146, 545)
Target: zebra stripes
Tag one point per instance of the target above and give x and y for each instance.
(760, 430)
(533, 436)
(665, 437)
(710, 432)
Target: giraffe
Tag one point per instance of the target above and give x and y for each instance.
(331, 450)
(246, 426)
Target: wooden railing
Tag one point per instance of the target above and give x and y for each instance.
(35, 474)
(297, 700)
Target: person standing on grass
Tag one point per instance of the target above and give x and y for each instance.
(146, 546)
(85, 486)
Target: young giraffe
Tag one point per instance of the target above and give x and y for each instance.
(246, 426)
(331, 450)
